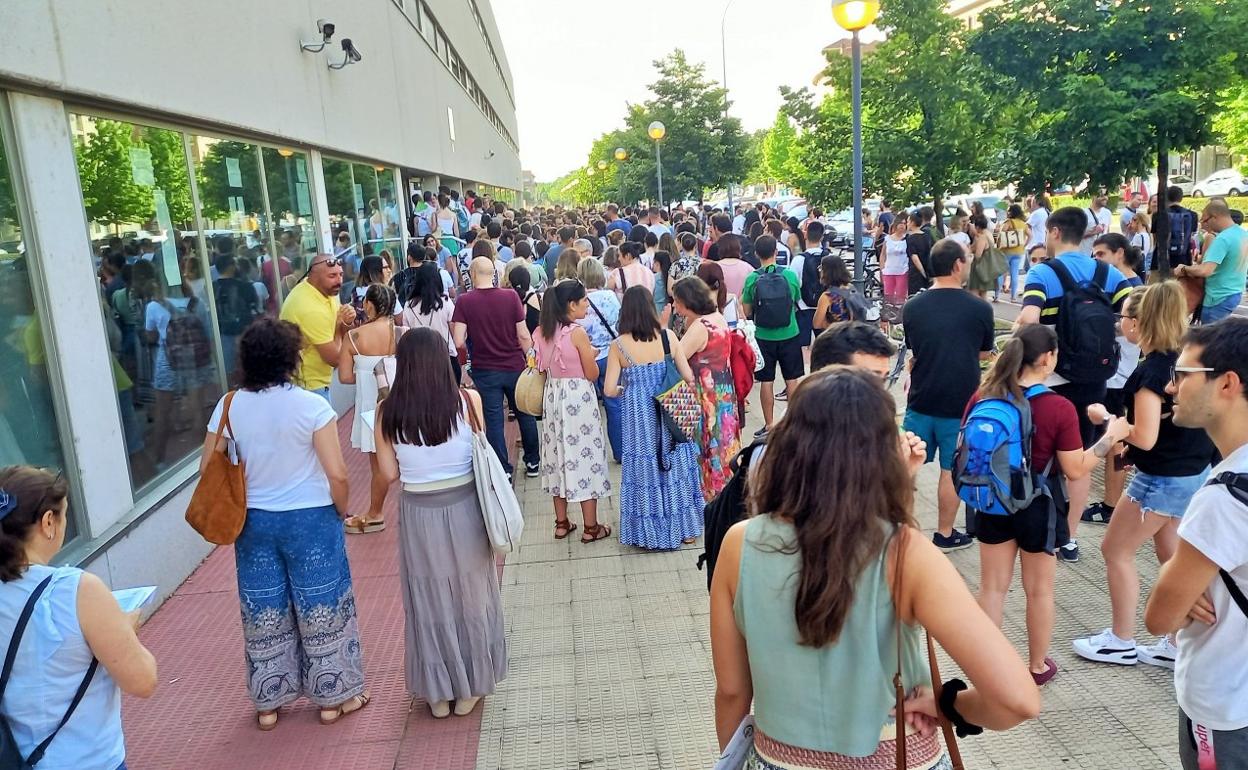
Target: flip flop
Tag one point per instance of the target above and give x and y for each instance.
(266, 720)
(358, 525)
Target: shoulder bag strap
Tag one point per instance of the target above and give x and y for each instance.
(471, 412)
(37, 754)
(20, 629)
(946, 727)
(602, 318)
(225, 416)
(899, 537)
(623, 281)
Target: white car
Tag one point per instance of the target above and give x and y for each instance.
(1228, 181)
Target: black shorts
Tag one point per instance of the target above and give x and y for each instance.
(1039, 528)
(1083, 395)
(787, 353)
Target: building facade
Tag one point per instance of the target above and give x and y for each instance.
(146, 155)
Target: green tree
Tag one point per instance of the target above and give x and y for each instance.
(169, 170)
(216, 187)
(929, 129)
(109, 192)
(779, 150)
(1231, 124)
(1120, 83)
(702, 148)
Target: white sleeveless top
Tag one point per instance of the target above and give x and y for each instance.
(51, 660)
(426, 464)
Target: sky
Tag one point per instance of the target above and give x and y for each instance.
(578, 63)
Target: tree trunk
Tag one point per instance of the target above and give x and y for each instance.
(1161, 234)
(938, 203)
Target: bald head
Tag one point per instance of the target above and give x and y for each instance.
(1217, 215)
(482, 271)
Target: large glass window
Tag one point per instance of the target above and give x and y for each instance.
(28, 428)
(155, 287)
(364, 212)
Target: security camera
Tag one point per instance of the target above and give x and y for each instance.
(349, 49)
(326, 28)
(350, 55)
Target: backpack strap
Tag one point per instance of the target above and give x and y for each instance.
(1237, 485)
(1063, 274)
(1100, 276)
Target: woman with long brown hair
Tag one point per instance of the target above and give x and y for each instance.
(1057, 450)
(805, 594)
(455, 649)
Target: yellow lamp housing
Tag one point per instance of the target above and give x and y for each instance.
(657, 130)
(602, 165)
(621, 153)
(855, 15)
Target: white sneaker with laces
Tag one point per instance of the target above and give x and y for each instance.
(1162, 654)
(1105, 647)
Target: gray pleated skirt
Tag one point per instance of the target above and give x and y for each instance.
(455, 644)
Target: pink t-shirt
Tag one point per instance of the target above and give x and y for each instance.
(635, 274)
(735, 273)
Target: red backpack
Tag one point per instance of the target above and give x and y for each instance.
(743, 362)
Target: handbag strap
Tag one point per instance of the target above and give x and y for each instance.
(602, 318)
(18, 630)
(37, 754)
(899, 537)
(946, 727)
(224, 425)
(473, 422)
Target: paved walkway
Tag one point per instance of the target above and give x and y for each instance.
(610, 668)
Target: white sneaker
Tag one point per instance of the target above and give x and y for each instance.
(1162, 654)
(1106, 648)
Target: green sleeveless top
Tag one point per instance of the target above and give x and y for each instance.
(835, 698)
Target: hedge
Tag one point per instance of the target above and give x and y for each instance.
(1195, 204)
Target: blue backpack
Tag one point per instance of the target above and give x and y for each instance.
(992, 467)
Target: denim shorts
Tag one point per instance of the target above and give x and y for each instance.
(939, 433)
(1165, 495)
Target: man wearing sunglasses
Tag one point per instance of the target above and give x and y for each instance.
(313, 306)
(1200, 591)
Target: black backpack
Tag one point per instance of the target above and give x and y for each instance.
(811, 287)
(1237, 485)
(237, 305)
(726, 509)
(773, 299)
(1085, 327)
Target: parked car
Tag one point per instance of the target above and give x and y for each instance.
(1182, 182)
(1228, 181)
(794, 208)
(964, 202)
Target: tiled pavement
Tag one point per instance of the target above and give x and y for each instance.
(609, 668)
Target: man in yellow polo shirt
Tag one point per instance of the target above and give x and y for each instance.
(313, 306)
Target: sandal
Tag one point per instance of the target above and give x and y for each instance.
(360, 525)
(595, 533)
(349, 706)
(565, 526)
(266, 720)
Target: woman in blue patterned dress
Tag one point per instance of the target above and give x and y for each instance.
(660, 490)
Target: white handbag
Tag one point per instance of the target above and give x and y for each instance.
(504, 520)
(738, 749)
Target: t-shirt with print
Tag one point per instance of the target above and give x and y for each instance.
(317, 317)
(491, 316)
(273, 431)
(1227, 252)
(1211, 674)
(780, 333)
(1056, 429)
(609, 305)
(946, 330)
(1178, 451)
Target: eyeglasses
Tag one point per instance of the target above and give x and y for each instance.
(1178, 373)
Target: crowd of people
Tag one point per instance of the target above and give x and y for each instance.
(617, 309)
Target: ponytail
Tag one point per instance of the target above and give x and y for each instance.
(1132, 257)
(1022, 350)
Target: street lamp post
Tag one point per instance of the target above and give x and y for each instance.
(855, 16)
(657, 131)
(723, 53)
(621, 155)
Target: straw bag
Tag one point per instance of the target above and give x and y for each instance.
(218, 508)
(504, 521)
(530, 386)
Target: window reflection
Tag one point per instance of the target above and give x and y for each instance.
(154, 287)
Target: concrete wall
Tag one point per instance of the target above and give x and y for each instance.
(237, 63)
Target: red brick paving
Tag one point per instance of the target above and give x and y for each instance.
(201, 717)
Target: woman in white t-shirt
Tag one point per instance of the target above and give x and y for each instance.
(293, 575)
(896, 263)
(455, 648)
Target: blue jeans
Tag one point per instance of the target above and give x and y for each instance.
(613, 409)
(1221, 309)
(1016, 261)
(494, 386)
(323, 393)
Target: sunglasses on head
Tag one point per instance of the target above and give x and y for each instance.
(327, 261)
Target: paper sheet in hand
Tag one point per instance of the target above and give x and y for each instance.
(133, 598)
(369, 418)
(738, 749)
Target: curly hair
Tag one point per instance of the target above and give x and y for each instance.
(269, 352)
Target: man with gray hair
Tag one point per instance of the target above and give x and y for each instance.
(583, 248)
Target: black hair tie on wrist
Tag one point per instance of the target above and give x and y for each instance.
(948, 694)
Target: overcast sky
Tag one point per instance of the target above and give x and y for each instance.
(577, 63)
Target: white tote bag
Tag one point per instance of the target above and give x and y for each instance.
(504, 521)
(738, 749)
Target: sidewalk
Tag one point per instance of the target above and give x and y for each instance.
(610, 667)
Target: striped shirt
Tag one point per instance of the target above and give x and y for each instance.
(1043, 289)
